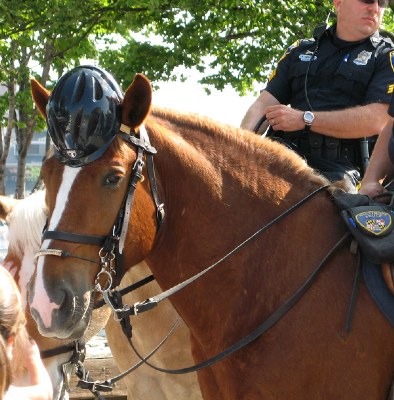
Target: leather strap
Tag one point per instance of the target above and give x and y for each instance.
(74, 237)
(262, 328)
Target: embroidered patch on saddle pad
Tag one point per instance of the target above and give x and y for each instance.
(372, 221)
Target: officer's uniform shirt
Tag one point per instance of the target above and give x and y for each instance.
(342, 74)
(339, 75)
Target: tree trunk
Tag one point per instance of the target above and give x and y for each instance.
(5, 146)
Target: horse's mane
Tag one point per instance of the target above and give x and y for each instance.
(26, 222)
(254, 150)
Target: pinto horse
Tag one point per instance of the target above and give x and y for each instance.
(220, 186)
(26, 220)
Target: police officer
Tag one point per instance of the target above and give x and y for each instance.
(381, 166)
(338, 86)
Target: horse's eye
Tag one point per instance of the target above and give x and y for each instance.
(112, 179)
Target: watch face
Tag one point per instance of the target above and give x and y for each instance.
(308, 117)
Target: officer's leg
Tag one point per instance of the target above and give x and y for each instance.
(335, 171)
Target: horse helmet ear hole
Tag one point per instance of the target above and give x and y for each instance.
(137, 102)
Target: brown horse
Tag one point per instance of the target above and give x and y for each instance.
(26, 220)
(220, 185)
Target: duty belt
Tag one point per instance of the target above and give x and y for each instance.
(340, 150)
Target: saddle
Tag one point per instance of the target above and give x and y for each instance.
(370, 221)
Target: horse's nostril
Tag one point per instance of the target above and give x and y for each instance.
(65, 300)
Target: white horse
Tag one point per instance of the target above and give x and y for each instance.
(26, 219)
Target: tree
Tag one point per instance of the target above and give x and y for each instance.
(232, 42)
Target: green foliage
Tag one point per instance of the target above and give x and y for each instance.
(232, 42)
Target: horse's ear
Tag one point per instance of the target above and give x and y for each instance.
(6, 206)
(137, 102)
(40, 96)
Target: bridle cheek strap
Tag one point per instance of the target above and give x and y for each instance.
(143, 146)
(128, 205)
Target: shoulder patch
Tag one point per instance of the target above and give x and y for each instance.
(289, 49)
(272, 75)
(286, 53)
(392, 59)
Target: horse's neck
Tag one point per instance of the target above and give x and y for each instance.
(219, 189)
(219, 159)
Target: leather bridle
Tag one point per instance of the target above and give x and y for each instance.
(112, 245)
(111, 248)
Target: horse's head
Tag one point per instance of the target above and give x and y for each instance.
(87, 184)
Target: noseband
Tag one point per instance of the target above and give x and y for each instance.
(112, 245)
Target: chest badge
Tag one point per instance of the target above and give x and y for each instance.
(307, 57)
(363, 58)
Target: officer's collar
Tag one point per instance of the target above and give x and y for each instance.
(374, 39)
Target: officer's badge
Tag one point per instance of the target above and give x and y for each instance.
(307, 57)
(363, 58)
(375, 223)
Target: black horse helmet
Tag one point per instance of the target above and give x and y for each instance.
(83, 114)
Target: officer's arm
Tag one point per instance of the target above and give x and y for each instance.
(352, 123)
(257, 111)
(380, 165)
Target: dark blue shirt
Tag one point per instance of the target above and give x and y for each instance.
(341, 74)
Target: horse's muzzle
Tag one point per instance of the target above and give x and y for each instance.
(60, 313)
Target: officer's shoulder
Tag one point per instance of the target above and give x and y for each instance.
(307, 42)
(387, 37)
(301, 43)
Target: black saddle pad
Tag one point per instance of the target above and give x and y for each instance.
(378, 289)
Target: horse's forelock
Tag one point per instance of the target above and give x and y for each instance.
(26, 223)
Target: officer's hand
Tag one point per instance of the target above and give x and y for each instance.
(371, 189)
(284, 118)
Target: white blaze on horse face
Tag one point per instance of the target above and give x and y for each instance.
(26, 273)
(41, 301)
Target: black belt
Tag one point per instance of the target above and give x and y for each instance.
(309, 143)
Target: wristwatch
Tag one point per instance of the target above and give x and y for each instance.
(308, 119)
